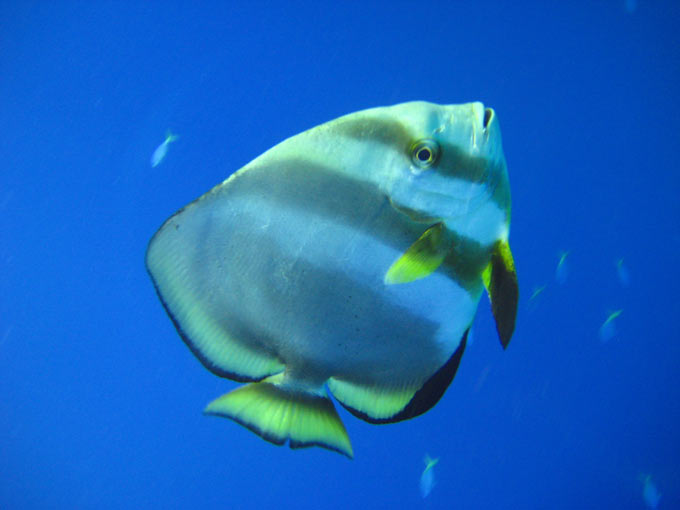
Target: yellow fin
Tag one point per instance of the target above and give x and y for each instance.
(278, 413)
(421, 259)
(372, 403)
(403, 400)
(500, 280)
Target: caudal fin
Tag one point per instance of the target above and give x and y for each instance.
(278, 414)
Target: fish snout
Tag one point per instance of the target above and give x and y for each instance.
(483, 116)
(482, 121)
(486, 133)
(489, 115)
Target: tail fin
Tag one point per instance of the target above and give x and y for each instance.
(278, 413)
(170, 136)
(430, 462)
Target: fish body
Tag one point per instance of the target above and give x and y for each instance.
(534, 299)
(162, 150)
(562, 269)
(622, 273)
(427, 479)
(351, 256)
(536, 292)
(608, 328)
(650, 493)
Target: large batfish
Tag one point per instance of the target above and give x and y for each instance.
(350, 257)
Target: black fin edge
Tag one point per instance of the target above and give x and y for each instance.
(280, 441)
(195, 351)
(426, 397)
(504, 292)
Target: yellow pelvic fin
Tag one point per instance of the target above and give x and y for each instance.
(500, 281)
(278, 413)
(421, 259)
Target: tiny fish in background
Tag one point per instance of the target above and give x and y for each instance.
(537, 292)
(622, 273)
(608, 330)
(427, 480)
(161, 151)
(562, 270)
(650, 493)
(534, 298)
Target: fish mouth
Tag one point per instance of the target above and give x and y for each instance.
(483, 115)
(480, 125)
(489, 114)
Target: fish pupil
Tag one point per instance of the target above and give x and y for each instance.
(424, 154)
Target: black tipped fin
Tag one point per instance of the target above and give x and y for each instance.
(277, 413)
(500, 280)
(384, 406)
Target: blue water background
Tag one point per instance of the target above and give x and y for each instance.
(100, 401)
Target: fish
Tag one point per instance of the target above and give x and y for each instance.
(650, 493)
(537, 291)
(608, 330)
(427, 480)
(347, 260)
(622, 273)
(562, 269)
(161, 151)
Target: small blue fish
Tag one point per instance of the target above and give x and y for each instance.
(160, 152)
(650, 493)
(537, 292)
(427, 481)
(622, 272)
(607, 330)
(562, 271)
(534, 298)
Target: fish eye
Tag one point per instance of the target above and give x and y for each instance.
(424, 153)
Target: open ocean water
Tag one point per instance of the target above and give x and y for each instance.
(101, 402)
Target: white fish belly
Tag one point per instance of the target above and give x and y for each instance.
(310, 289)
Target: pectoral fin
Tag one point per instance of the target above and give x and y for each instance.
(421, 259)
(500, 281)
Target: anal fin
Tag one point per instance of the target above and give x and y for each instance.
(380, 405)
